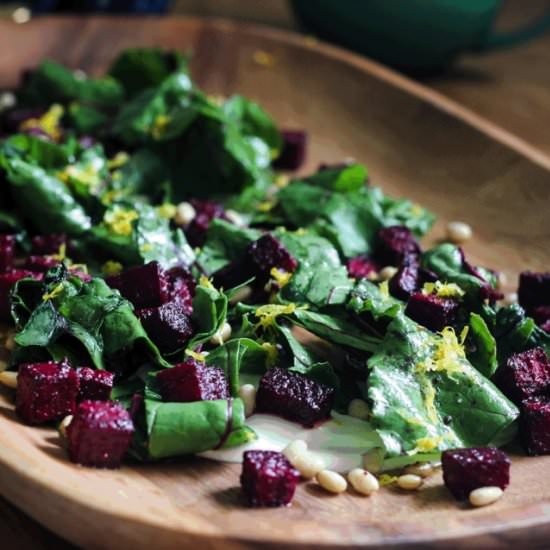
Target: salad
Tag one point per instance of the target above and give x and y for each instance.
(174, 290)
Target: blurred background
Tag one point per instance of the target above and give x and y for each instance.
(492, 56)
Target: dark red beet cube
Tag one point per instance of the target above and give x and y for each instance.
(395, 244)
(535, 425)
(268, 478)
(293, 152)
(545, 326)
(46, 391)
(268, 252)
(206, 211)
(467, 469)
(294, 397)
(431, 311)
(7, 251)
(192, 381)
(524, 375)
(42, 245)
(362, 266)
(541, 315)
(145, 286)
(99, 434)
(7, 281)
(95, 385)
(407, 279)
(169, 325)
(533, 290)
(181, 287)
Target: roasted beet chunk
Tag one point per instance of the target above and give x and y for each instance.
(293, 152)
(431, 311)
(46, 391)
(7, 251)
(169, 325)
(533, 290)
(268, 252)
(144, 286)
(541, 315)
(95, 385)
(43, 245)
(205, 211)
(524, 375)
(181, 287)
(192, 381)
(268, 478)
(40, 264)
(467, 469)
(535, 425)
(99, 434)
(362, 266)
(7, 280)
(294, 396)
(395, 244)
(407, 279)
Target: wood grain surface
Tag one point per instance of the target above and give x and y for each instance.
(416, 143)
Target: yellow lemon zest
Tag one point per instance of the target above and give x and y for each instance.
(426, 444)
(281, 277)
(48, 122)
(61, 253)
(111, 267)
(300, 232)
(271, 352)
(146, 247)
(197, 356)
(111, 196)
(206, 282)
(429, 394)
(266, 206)
(416, 210)
(281, 181)
(443, 290)
(448, 353)
(83, 268)
(159, 126)
(216, 99)
(269, 313)
(56, 291)
(166, 210)
(386, 479)
(119, 160)
(384, 289)
(119, 221)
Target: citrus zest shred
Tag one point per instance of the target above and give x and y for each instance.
(384, 289)
(281, 277)
(197, 356)
(48, 122)
(386, 479)
(271, 352)
(56, 291)
(119, 220)
(206, 282)
(426, 444)
(166, 210)
(281, 181)
(119, 160)
(449, 351)
(111, 267)
(266, 206)
(159, 126)
(443, 290)
(269, 313)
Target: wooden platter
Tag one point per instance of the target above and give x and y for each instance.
(417, 144)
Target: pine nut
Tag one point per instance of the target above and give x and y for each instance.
(386, 273)
(63, 425)
(8, 379)
(363, 482)
(247, 392)
(485, 496)
(331, 481)
(409, 482)
(422, 470)
(502, 280)
(234, 217)
(222, 335)
(459, 232)
(358, 408)
(9, 343)
(510, 298)
(3, 365)
(241, 295)
(306, 462)
(185, 213)
(7, 100)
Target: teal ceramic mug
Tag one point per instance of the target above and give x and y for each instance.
(413, 35)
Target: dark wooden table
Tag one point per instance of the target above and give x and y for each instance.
(511, 88)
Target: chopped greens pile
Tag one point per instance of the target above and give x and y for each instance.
(113, 163)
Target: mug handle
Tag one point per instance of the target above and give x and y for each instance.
(497, 40)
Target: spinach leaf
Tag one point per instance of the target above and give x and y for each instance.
(320, 278)
(481, 346)
(367, 297)
(351, 177)
(176, 429)
(51, 83)
(209, 313)
(34, 150)
(225, 242)
(140, 68)
(425, 395)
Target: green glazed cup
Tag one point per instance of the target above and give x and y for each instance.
(413, 35)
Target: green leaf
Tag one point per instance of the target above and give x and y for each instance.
(34, 150)
(481, 346)
(346, 178)
(367, 297)
(417, 409)
(176, 429)
(140, 68)
(320, 278)
(209, 313)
